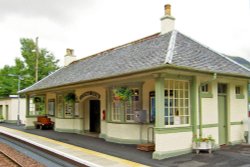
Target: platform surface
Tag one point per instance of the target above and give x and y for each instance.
(78, 154)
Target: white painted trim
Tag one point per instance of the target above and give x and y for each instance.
(171, 45)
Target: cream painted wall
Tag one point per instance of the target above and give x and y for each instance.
(69, 124)
(13, 109)
(212, 131)
(237, 133)
(128, 131)
(210, 107)
(238, 105)
(237, 108)
(173, 141)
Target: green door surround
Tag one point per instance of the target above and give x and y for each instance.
(222, 110)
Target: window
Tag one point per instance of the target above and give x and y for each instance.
(51, 107)
(60, 106)
(69, 109)
(204, 88)
(125, 101)
(152, 106)
(177, 107)
(37, 105)
(176, 103)
(222, 89)
(65, 105)
(239, 92)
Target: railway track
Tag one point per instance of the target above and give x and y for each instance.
(20, 153)
(6, 161)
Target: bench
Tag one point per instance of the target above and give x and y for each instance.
(43, 122)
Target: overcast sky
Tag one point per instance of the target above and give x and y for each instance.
(91, 26)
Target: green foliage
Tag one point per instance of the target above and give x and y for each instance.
(25, 67)
(209, 138)
(70, 97)
(123, 93)
(1, 117)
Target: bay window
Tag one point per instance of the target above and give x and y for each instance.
(176, 103)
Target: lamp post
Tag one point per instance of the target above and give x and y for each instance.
(37, 56)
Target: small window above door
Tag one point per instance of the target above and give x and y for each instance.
(222, 88)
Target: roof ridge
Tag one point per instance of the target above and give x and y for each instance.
(220, 54)
(171, 46)
(119, 46)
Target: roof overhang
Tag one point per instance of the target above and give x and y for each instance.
(153, 70)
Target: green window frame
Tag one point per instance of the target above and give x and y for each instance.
(177, 102)
(206, 90)
(239, 92)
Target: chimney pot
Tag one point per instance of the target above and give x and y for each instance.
(167, 9)
(69, 57)
(69, 51)
(167, 21)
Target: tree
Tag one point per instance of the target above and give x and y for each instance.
(25, 67)
(46, 60)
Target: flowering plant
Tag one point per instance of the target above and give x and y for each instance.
(122, 93)
(207, 139)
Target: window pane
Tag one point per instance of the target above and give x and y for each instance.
(177, 106)
(238, 90)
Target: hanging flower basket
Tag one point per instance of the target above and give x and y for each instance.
(37, 100)
(70, 97)
(122, 93)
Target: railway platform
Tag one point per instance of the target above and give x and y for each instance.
(78, 154)
(93, 151)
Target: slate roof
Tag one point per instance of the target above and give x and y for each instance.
(153, 51)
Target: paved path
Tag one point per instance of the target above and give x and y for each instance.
(229, 156)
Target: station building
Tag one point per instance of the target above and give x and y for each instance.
(166, 87)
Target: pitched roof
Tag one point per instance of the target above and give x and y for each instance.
(150, 52)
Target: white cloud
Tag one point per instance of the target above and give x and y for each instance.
(94, 25)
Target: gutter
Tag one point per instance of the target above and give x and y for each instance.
(200, 102)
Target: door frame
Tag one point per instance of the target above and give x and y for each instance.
(226, 114)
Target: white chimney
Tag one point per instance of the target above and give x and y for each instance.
(69, 57)
(167, 21)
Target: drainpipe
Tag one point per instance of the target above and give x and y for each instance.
(200, 103)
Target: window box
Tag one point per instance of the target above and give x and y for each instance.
(203, 144)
